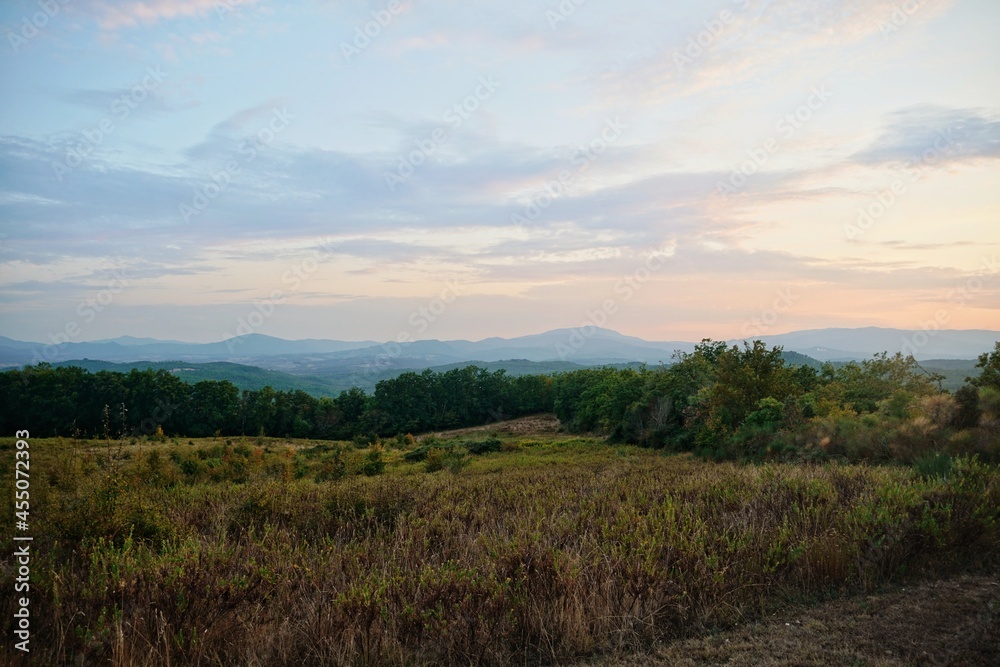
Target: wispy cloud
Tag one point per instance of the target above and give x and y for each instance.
(950, 135)
(118, 15)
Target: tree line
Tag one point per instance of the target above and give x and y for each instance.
(724, 402)
(746, 402)
(69, 401)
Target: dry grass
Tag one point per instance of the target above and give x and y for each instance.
(953, 622)
(535, 425)
(555, 549)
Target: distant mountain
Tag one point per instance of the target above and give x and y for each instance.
(132, 340)
(584, 346)
(847, 344)
(10, 343)
(127, 348)
(327, 367)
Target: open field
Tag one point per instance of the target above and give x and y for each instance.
(474, 549)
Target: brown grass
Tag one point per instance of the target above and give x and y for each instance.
(535, 425)
(557, 549)
(954, 622)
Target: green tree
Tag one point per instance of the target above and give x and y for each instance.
(257, 411)
(742, 379)
(989, 375)
(968, 396)
(862, 387)
(215, 406)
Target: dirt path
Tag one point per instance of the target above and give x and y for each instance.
(954, 623)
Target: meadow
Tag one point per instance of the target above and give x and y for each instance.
(483, 547)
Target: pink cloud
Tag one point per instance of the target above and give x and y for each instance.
(114, 15)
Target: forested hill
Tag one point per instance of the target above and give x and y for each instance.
(329, 383)
(241, 375)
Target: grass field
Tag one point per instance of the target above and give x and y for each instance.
(953, 622)
(482, 547)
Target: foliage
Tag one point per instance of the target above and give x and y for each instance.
(68, 401)
(374, 464)
(747, 404)
(989, 376)
(479, 447)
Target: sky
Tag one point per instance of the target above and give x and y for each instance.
(418, 169)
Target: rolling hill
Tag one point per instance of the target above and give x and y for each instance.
(329, 365)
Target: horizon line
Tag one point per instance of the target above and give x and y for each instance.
(480, 340)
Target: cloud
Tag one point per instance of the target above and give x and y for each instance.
(934, 135)
(745, 45)
(227, 136)
(103, 100)
(117, 15)
(904, 245)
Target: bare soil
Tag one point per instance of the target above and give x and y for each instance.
(535, 425)
(953, 622)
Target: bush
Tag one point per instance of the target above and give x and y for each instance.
(373, 465)
(933, 465)
(417, 455)
(434, 459)
(454, 462)
(333, 467)
(362, 441)
(480, 447)
(940, 409)
(404, 440)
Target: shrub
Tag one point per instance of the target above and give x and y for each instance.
(940, 409)
(454, 462)
(914, 439)
(933, 465)
(333, 467)
(480, 447)
(404, 440)
(373, 465)
(989, 406)
(417, 455)
(434, 459)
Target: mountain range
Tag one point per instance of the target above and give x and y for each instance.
(326, 367)
(586, 346)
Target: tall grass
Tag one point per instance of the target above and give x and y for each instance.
(235, 554)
